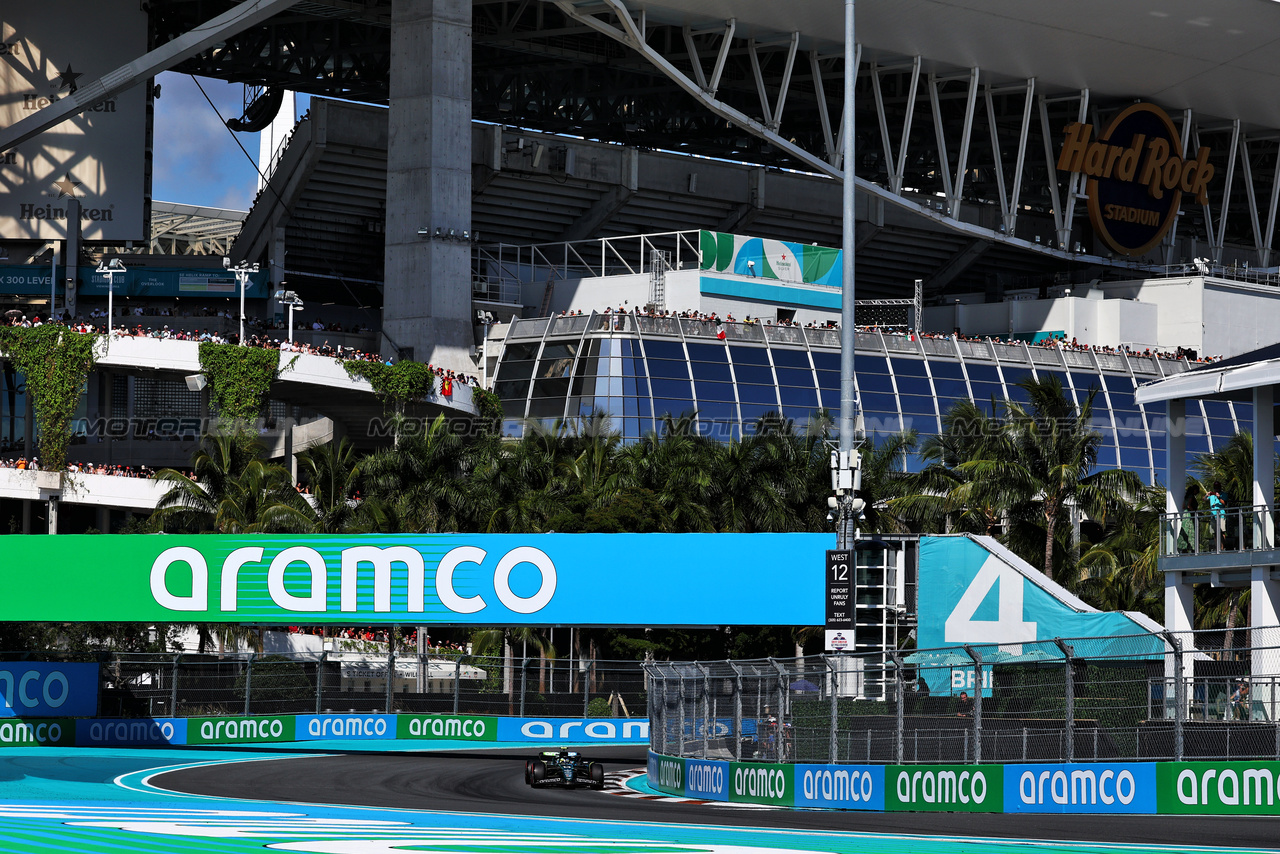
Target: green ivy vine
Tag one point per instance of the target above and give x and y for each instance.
(239, 378)
(488, 406)
(395, 385)
(56, 362)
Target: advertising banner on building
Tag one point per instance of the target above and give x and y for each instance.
(33, 689)
(770, 259)
(182, 282)
(460, 579)
(30, 278)
(843, 787)
(97, 158)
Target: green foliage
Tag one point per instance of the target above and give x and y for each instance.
(56, 362)
(239, 378)
(599, 708)
(275, 678)
(395, 385)
(488, 408)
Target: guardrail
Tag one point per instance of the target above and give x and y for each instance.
(1226, 530)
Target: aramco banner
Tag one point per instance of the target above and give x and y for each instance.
(770, 259)
(477, 579)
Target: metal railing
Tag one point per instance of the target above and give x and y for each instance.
(1231, 272)
(1226, 530)
(191, 685)
(1153, 696)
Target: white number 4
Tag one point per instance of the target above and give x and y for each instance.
(1008, 627)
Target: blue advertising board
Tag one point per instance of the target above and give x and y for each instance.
(34, 689)
(574, 730)
(708, 780)
(1094, 787)
(845, 787)
(130, 732)
(161, 282)
(362, 727)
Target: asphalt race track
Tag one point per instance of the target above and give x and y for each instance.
(493, 782)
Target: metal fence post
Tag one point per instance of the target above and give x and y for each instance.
(706, 709)
(320, 680)
(391, 670)
(835, 710)
(663, 711)
(1179, 695)
(680, 722)
(737, 712)
(173, 686)
(899, 697)
(524, 676)
(248, 684)
(977, 703)
(457, 682)
(1069, 691)
(587, 674)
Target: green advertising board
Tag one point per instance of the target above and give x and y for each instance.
(37, 732)
(944, 788)
(1221, 788)
(239, 730)
(452, 727)
(761, 783)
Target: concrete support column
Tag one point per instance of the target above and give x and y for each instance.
(427, 298)
(1264, 450)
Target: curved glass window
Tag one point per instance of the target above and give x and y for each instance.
(765, 394)
(515, 371)
(908, 367)
(914, 385)
(714, 391)
(790, 358)
(672, 388)
(664, 350)
(830, 398)
(874, 382)
(828, 361)
(749, 355)
(718, 371)
(792, 397)
(707, 352)
(669, 370)
(950, 388)
(760, 374)
(982, 373)
(915, 405)
(794, 377)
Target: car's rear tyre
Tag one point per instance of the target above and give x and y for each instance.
(537, 771)
(597, 775)
(528, 764)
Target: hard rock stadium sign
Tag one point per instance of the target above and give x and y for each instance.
(1137, 176)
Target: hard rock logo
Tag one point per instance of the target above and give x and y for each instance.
(1137, 176)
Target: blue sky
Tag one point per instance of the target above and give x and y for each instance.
(196, 160)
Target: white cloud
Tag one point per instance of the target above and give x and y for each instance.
(196, 160)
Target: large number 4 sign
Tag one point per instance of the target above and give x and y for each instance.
(1008, 627)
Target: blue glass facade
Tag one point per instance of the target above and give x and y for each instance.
(638, 369)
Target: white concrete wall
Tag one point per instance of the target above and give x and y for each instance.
(1237, 318)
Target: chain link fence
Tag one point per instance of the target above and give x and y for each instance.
(1203, 695)
(193, 685)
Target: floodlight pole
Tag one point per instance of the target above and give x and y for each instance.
(110, 271)
(846, 474)
(242, 272)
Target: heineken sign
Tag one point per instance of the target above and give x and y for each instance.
(1136, 176)
(457, 579)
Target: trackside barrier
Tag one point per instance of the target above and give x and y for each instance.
(1189, 788)
(263, 729)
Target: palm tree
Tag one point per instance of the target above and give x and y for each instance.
(230, 491)
(885, 481)
(1052, 449)
(757, 480)
(676, 467)
(943, 496)
(423, 480)
(332, 474)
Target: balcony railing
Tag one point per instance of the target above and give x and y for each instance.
(1224, 531)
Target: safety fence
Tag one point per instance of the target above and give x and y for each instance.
(248, 684)
(1159, 696)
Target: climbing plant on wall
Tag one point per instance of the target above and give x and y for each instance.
(239, 379)
(56, 362)
(395, 385)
